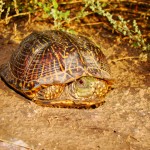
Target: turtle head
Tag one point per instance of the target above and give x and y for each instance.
(88, 87)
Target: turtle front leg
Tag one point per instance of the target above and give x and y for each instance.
(49, 92)
(50, 96)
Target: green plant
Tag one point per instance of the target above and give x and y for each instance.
(1, 7)
(62, 17)
(119, 25)
(51, 10)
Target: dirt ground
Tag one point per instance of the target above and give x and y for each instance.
(122, 123)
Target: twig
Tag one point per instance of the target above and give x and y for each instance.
(130, 1)
(15, 144)
(74, 18)
(7, 19)
(124, 58)
(16, 7)
(95, 23)
(71, 2)
(129, 11)
(126, 1)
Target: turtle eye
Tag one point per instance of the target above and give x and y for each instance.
(81, 81)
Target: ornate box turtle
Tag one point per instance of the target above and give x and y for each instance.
(58, 69)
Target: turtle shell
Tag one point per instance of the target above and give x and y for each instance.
(53, 57)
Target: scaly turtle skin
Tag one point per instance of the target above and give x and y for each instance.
(59, 69)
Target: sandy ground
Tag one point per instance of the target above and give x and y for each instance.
(122, 123)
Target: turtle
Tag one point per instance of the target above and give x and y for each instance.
(58, 69)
